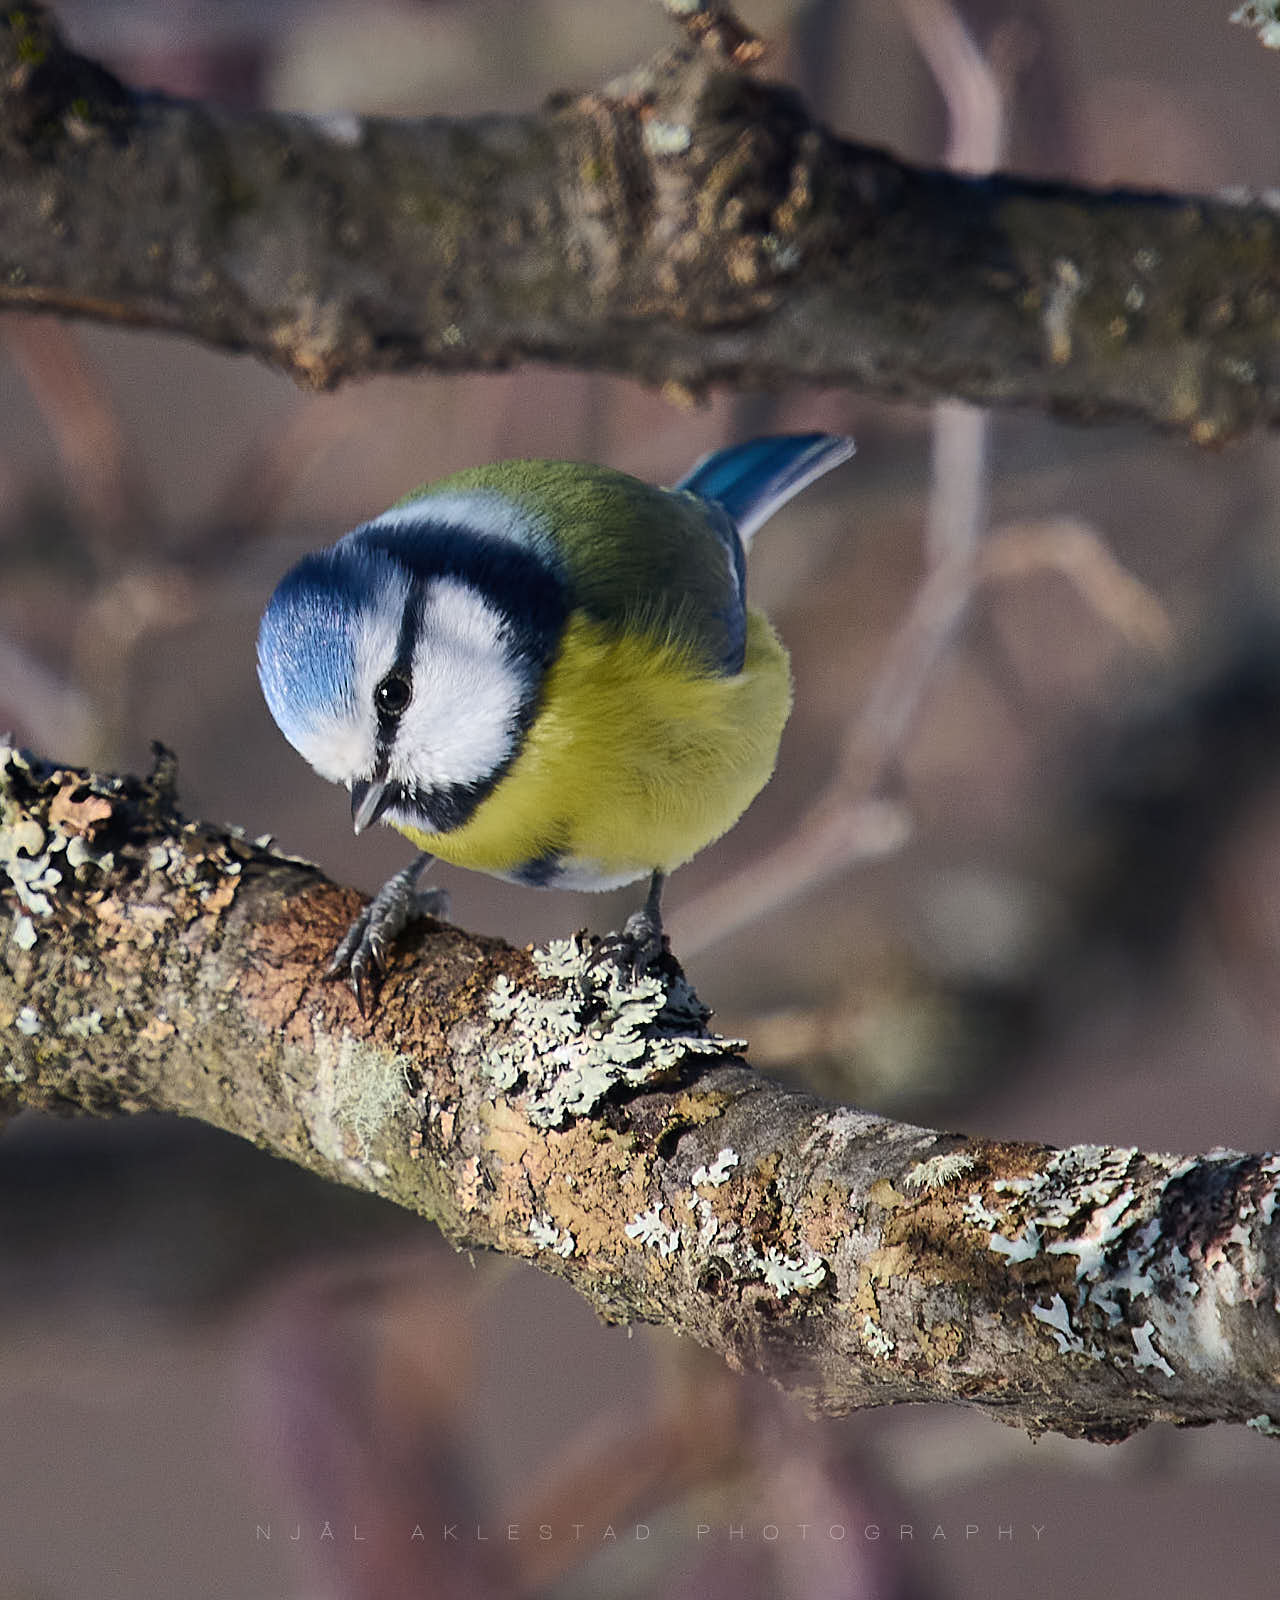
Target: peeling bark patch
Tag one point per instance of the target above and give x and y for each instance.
(1079, 1204)
(287, 953)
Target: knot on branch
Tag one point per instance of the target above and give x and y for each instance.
(697, 191)
(712, 26)
(48, 93)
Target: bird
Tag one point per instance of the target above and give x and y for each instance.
(542, 670)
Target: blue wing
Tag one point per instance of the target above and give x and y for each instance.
(751, 481)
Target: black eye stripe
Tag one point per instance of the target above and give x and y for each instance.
(529, 599)
(395, 690)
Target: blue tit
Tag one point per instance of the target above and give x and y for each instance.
(544, 671)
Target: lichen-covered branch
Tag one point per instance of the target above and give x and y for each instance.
(689, 225)
(532, 1105)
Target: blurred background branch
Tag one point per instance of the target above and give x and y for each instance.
(692, 224)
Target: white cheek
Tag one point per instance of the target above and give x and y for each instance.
(340, 752)
(459, 726)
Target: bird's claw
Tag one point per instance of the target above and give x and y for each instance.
(640, 946)
(642, 943)
(365, 947)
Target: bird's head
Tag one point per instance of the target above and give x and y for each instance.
(408, 671)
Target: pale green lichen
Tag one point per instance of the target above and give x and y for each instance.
(709, 1225)
(342, 127)
(1024, 1249)
(360, 1085)
(787, 1275)
(1081, 1204)
(1091, 1246)
(1146, 1354)
(785, 257)
(1075, 1206)
(189, 870)
(1262, 1423)
(666, 138)
(83, 1027)
(601, 1031)
(80, 853)
(1268, 1201)
(649, 1229)
(1059, 309)
(1080, 1192)
(980, 1214)
(1263, 16)
(545, 1234)
(876, 1339)
(938, 1171)
(26, 859)
(1057, 1319)
(35, 861)
(266, 841)
(718, 1172)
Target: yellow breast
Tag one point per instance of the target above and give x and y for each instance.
(638, 758)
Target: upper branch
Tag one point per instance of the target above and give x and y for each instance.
(688, 225)
(532, 1107)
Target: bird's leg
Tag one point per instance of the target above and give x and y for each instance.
(641, 941)
(363, 951)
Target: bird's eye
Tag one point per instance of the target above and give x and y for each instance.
(392, 695)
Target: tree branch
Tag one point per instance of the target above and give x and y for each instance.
(530, 1107)
(688, 226)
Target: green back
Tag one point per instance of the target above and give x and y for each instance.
(633, 556)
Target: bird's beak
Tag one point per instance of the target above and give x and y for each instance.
(369, 801)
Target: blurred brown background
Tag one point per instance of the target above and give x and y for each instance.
(1051, 908)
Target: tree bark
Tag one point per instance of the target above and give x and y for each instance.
(527, 1103)
(690, 226)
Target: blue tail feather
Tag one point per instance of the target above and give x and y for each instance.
(751, 481)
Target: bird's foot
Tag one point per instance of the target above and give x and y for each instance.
(635, 950)
(642, 943)
(367, 942)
